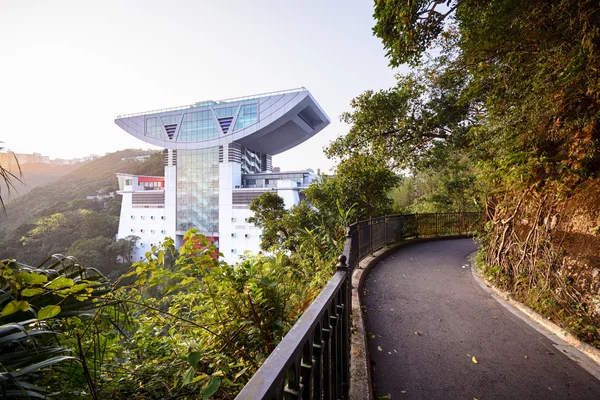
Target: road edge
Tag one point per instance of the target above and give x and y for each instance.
(586, 356)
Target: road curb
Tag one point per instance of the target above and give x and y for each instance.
(361, 383)
(540, 323)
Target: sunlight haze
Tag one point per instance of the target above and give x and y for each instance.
(71, 67)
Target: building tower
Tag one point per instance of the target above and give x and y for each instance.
(217, 159)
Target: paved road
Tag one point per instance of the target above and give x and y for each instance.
(429, 318)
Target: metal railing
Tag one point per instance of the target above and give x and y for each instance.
(313, 359)
(217, 102)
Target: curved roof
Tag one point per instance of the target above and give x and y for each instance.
(269, 123)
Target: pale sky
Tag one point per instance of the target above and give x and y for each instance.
(69, 67)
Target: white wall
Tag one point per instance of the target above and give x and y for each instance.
(147, 223)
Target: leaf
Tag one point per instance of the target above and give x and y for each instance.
(474, 360)
(31, 292)
(60, 283)
(193, 358)
(31, 278)
(48, 312)
(188, 376)
(379, 348)
(240, 373)
(76, 288)
(14, 306)
(211, 388)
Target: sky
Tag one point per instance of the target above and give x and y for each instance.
(69, 68)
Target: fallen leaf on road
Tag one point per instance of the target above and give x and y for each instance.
(474, 360)
(526, 357)
(395, 351)
(379, 348)
(403, 391)
(417, 333)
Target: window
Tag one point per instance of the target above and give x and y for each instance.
(247, 116)
(245, 219)
(233, 235)
(162, 217)
(246, 236)
(133, 217)
(163, 231)
(233, 251)
(153, 217)
(152, 231)
(232, 219)
(132, 230)
(141, 230)
(142, 217)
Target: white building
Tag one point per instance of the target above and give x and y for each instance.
(217, 159)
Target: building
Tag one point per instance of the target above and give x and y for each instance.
(217, 158)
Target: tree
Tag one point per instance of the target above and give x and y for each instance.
(125, 247)
(399, 125)
(359, 187)
(280, 227)
(97, 252)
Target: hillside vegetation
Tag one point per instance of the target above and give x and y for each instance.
(56, 218)
(34, 175)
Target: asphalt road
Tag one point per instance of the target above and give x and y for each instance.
(428, 318)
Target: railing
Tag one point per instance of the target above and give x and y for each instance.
(217, 102)
(313, 359)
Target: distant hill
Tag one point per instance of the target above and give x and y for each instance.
(35, 175)
(85, 180)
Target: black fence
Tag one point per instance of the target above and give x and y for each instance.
(313, 359)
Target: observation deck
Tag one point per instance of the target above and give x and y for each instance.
(268, 123)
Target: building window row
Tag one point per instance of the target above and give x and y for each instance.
(246, 235)
(162, 231)
(152, 217)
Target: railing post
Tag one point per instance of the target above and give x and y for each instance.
(385, 229)
(345, 328)
(371, 233)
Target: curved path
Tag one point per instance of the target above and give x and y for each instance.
(428, 318)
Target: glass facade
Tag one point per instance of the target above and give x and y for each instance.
(198, 125)
(226, 111)
(154, 128)
(198, 189)
(170, 119)
(247, 116)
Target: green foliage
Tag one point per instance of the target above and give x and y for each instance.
(359, 187)
(280, 227)
(30, 348)
(408, 29)
(197, 327)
